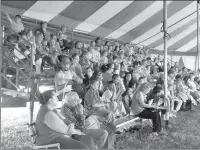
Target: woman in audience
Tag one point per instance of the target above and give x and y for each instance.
(104, 58)
(192, 86)
(76, 67)
(39, 52)
(87, 78)
(31, 39)
(63, 31)
(79, 48)
(171, 94)
(107, 73)
(130, 61)
(51, 127)
(130, 86)
(85, 61)
(128, 81)
(182, 92)
(143, 110)
(53, 47)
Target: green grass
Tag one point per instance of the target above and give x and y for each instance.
(185, 132)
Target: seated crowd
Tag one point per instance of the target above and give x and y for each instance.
(99, 83)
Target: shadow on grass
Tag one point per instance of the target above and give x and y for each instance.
(183, 135)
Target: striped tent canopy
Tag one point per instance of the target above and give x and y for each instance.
(138, 22)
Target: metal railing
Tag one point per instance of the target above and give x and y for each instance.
(10, 60)
(32, 84)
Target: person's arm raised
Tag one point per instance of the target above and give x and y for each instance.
(114, 94)
(8, 17)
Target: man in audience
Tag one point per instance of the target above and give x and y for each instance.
(16, 25)
(43, 30)
(66, 77)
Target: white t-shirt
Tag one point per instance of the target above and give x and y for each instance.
(95, 55)
(107, 95)
(16, 27)
(63, 78)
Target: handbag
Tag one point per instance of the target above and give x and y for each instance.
(92, 122)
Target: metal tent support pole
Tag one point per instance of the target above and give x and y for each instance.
(171, 60)
(167, 102)
(31, 91)
(165, 42)
(3, 33)
(196, 62)
(34, 87)
(72, 38)
(198, 51)
(2, 41)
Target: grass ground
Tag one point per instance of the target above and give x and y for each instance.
(185, 132)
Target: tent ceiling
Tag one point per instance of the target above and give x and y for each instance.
(131, 21)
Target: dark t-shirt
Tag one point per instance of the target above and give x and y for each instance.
(46, 34)
(160, 69)
(153, 95)
(153, 69)
(160, 82)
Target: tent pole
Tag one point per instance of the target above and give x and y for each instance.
(3, 33)
(167, 103)
(165, 42)
(171, 60)
(198, 35)
(1, 51)
(72, 37)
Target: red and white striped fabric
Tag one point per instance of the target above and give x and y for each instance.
(138, 22)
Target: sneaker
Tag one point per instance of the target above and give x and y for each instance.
(119, 132)
(162, 133)
(117, 117)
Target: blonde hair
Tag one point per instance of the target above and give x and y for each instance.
(144, 86)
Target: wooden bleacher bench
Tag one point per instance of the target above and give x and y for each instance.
(14, 93)
(126, 122)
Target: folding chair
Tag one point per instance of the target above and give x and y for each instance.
(33, 134)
